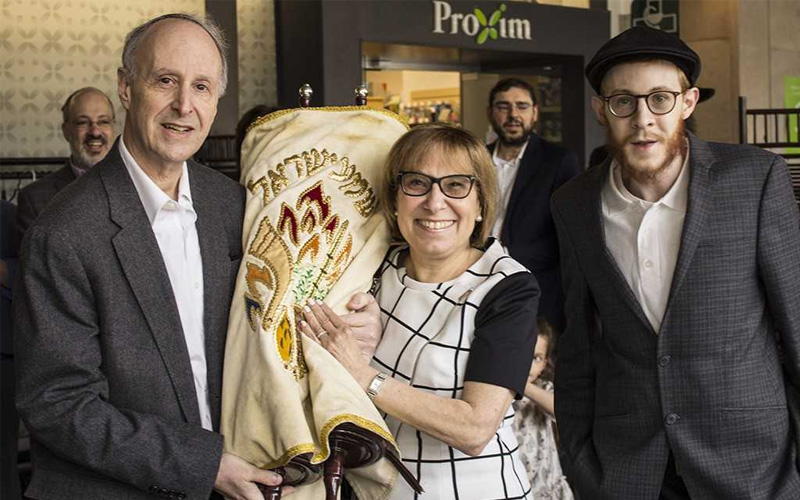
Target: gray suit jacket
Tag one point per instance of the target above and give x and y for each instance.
(709, 387)
(35, 196)
(105, 384)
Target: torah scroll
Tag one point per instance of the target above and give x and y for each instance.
(311, 230)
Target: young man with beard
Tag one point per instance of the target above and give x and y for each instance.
(681, 263)
(88, 127)
(529, 170)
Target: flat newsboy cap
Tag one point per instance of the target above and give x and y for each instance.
(641, 42)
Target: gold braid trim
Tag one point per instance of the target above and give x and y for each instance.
(353, 419)
(292, 452)
(321, 455)
(277, 114)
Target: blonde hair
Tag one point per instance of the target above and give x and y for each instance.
(454, 143)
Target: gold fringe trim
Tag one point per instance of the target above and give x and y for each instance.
(321, 455)
(282, 112)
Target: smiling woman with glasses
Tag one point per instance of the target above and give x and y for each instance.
(457, 322)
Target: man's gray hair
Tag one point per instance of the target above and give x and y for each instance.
(134, 38)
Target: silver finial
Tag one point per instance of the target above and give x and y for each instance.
(361, 95)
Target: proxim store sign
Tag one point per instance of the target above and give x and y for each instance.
(478, 24)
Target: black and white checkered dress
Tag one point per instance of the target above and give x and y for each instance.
(479, 327)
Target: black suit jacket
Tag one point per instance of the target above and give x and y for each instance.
(709, 386)
(528, 231)
(105, 384)
(35, 196)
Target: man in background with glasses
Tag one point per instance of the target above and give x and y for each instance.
(88, 127)
(529, 170)
(681, 263)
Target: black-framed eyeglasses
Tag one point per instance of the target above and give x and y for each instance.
(456, 186)
(659, 102)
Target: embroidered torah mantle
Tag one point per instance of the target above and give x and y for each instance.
(311, 230)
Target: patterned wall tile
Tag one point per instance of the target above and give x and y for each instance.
(257, 67)
(49, 48)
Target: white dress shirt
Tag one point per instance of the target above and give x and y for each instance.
(645, 238)
(506, 174)
(173, 224)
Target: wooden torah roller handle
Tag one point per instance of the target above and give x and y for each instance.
(351, 447)
(298, 471)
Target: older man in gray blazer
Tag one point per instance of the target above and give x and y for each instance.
(125, 289)
(681, 264)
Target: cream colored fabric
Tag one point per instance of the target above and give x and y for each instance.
(310, 231)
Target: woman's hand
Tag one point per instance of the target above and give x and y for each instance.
(364, 321)
(329, 330)
(537, 367)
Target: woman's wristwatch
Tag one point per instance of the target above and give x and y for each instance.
(376, 385)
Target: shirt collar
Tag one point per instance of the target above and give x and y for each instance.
(75, 169)
(621, 199)
(499, 161)
(153, 198)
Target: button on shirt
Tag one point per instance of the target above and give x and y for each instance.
(173, 223)
(644, 238)
(506, 174)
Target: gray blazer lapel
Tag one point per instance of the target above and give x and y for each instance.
(143, 266)
(593, 215)
(216, 281)
(699, 204)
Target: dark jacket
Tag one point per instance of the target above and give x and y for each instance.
(35, 196)
(528, 231)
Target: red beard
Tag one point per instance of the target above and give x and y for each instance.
(675, 146)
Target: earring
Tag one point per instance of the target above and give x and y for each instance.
(395, 213)
(479, 218)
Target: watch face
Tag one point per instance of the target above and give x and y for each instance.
(375, 385)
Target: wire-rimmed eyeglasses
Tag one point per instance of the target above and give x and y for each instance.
(456, 186)
(659, 102)
(506, 107)
(86, 124)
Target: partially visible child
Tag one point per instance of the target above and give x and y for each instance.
(534, 423)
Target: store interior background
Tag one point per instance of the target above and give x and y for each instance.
(49, 48)
(460, 96)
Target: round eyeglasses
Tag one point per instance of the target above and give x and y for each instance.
(456, 186)
(659, 102)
